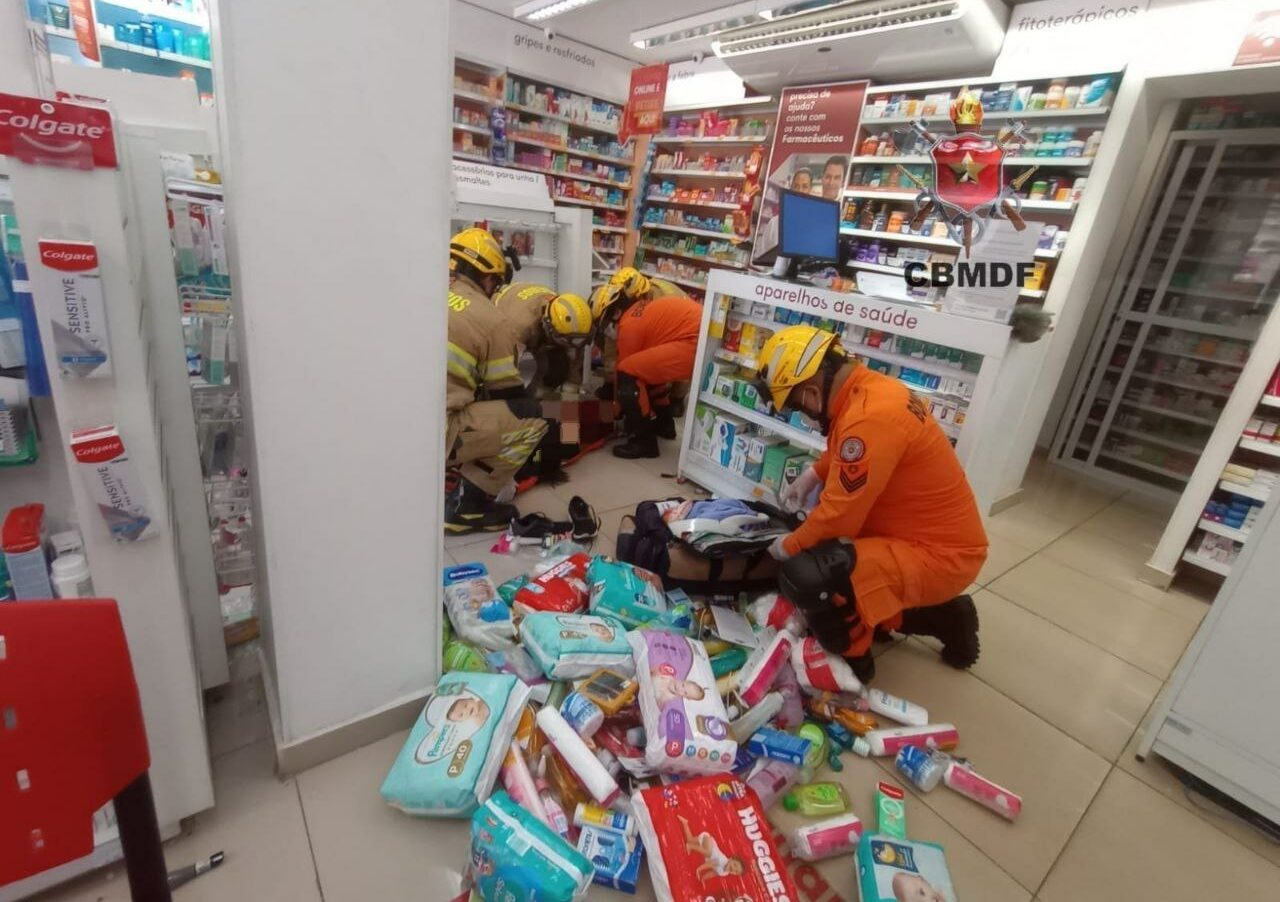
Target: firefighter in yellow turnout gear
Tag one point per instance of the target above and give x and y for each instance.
(488, 439)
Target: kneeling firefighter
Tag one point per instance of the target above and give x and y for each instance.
(657, 342)
(488, 439)
(895, 535)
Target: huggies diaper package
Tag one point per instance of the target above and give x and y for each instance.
(685, 725)
(456, 747)
(631, 594)
(561, 588)
(515, 856)
(707, 838)
(476, 609)
(572, 646)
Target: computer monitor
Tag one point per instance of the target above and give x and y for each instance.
(808, 227)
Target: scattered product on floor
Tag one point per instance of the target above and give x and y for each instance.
(631, 725)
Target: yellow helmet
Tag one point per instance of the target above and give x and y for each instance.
(567, 320)
(791, 356)
(604, 298)
(479, 250)
(631, 281)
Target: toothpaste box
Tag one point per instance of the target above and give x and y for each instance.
(113, 481)
(80, 342)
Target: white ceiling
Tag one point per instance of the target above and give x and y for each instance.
(607, 24)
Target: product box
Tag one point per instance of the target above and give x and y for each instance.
(24, 553)
(727, 428)
(892, 869)
(748, 396)
(80, 342)
(757, 448)
(738, 457)
(114, 482)
(704, 428)
(775, 460)
(711, 374)
(726, 387)
(749, 343)
(792, 469)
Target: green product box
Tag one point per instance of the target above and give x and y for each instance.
(778, 461)
(792, 469)
(704, 429)
(749, 396)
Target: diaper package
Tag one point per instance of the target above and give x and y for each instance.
(707, 838)
(477, 611)
(561, 588)
(455, 749)
(572, 646)
(890, 869)
(820, 671)
(685, 725)
(515, 856)
(631, 594)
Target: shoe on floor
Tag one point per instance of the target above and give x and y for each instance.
(585, 522)
(643, 443)
(468, 508)
(954, 623)
(535, 529)
(665, 423)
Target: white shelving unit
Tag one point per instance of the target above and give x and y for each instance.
(983, 343)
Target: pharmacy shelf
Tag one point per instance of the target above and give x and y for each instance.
(619, 230)
(583, 202)
(1174, 383)
(1253, 444)
(556, 117)
(690, 230)
(1202, 293)
(565, 174)
(1270, 401)
(699, 173)
(920, 159)
(1154, 439)
(163, 11)
(1093, 112)
(924, 239)
(800, 437)
(1065, 206)
(687, 283)
(1245, 491)
(722, 481)
(709, 204)
(1190, 325)
(560, 148)
(699, 258)
(944, 370)
(675, 139)
(1205, 563)
(179, 58)
(1143, 465)
(1170, 352)
(474, 129)
(477, 157)
(476, 96)
(736, 359)
(1222, 529)
(1169, 412)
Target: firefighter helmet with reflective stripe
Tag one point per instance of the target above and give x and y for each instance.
(632, 282)
(477, 249)
(567, 320)
(791, 356)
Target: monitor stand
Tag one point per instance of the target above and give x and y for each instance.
(788, 268)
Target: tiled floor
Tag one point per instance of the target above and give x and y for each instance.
(1075, 650)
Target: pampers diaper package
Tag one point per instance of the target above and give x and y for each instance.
(572, 646)
(685, 725)
(631, 594)
(707, 838)
(891, 869)
(475, 608)
(517, 857)
(455, 749)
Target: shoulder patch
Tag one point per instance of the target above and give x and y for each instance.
(852, 481)
(852, 450)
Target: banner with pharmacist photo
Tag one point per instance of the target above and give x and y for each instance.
(812, 143)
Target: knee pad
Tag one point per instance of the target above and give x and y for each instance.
(819, 583)
(629, 395)
(525, 408)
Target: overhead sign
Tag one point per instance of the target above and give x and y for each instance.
(478, 183)
(812, 142)
(1261, 43)
(704, 83)
(1049, 38)
(643, 113)
(56, 134)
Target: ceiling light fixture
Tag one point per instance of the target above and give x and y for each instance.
(709, 24)
(538, 10)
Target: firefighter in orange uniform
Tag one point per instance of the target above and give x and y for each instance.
(895, 536)
(657, 341)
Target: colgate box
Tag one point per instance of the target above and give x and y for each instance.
(560, 589)
(708, 838)
(114, 483)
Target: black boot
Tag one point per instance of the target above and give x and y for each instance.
(468, 508)
(665, 423)
(643, 442)
(954, 623)
(863, 667)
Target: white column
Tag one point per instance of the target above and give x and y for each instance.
(17, 67)
(336, 154)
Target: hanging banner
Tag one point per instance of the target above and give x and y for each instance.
(56, 134)
(1049, 37)
(86, 30)
(1262, 42)
(643, 113)
(812, 142)
(704, 82)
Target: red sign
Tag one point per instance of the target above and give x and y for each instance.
(86, 31)
(69, 256)
(812, 142)
(57, 134)
(643, 115)
(966, 170)
(1262, 43)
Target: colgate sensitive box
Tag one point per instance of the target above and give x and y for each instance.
(80, 316)
(113, 482)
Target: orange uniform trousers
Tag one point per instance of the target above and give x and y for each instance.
(892, 484)
(657, 344)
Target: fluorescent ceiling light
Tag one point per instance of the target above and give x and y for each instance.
(538, 10)
(709, 24)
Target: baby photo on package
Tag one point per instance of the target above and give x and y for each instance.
(902, 870)
(572, 646)
(478, 613)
